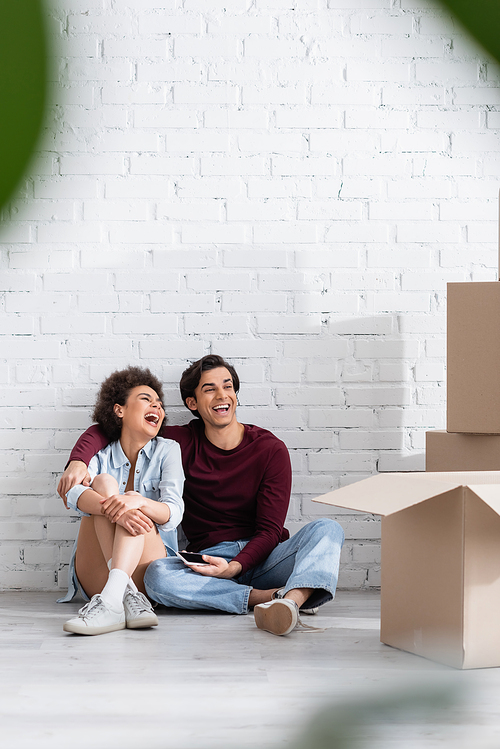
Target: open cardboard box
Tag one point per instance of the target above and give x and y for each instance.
(440, 562)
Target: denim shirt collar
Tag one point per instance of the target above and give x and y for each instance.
(120, 459)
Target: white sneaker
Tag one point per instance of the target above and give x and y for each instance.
(278, 617)
(96, 618)
(303, 609)
(138, 611)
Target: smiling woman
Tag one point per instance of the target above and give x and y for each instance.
(131, 506)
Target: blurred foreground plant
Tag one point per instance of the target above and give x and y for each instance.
(23, 87)
(482, 19)
(347, 725)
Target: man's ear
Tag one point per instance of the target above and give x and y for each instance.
(191, 403)
(118, 410)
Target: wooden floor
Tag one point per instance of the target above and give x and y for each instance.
(215, 681)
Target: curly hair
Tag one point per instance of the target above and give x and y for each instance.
(192, 375)
(116, 389)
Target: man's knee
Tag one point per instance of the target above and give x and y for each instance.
(327, 527)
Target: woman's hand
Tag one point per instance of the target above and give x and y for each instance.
(135, 522)
(114, 507)
(75, 473)
(217, 567)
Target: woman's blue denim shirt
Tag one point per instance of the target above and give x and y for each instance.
(158, 475)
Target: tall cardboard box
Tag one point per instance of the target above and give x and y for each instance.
(473, 354)
(440, 562)
(451, 451)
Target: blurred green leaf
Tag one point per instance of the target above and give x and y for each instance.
(482, 19)
(350, 725)
(23, 87)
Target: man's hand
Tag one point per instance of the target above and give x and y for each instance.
(217, 567)
(135, 522)
(114, 507)
(75, 473)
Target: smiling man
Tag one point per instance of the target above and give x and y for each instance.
(236, 494)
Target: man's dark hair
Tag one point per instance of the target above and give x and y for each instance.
(192, 375)
(116, 389)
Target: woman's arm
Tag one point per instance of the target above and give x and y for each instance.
(90, 442)
(115, 507)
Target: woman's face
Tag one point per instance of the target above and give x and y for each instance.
(142, 413)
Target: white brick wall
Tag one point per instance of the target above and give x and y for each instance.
(289, 184)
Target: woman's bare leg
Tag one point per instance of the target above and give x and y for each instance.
(100, 540)
(91, 566)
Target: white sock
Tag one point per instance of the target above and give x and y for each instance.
(131, 585)
(114, 590)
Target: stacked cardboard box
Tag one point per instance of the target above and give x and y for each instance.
(472, 439)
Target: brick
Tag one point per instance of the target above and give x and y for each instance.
(27, 347)
(188, 349)
(115, 210)
(185, 23)
(246, 348)
(232, 166)
(209, 94)
(112, 259)
(217, 233)
(312, 166)
(269, 258)
(157, 164)
(386, 349)
(328, 302)
(307, 118)
(183, 258)
(268, 48)
(180, 303)
(237, 302)
(341, 418)
(197, 140)
(67, 188)
(218, 282)
(141, 232)
(216, 324)
(145, 324)
(43, 210)
(100, 348)
(259, 94)
(284, 188)
(211, 187)
(451, 72)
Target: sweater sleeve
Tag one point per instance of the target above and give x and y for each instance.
(272, 504)
(88, 445)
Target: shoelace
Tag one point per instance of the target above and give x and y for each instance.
(300, 624)
(138, 602)
(91, 608)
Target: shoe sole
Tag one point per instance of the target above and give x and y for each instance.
(278, 620)
(142, 622)
(79, 629)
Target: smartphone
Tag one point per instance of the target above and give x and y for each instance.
(190, 557)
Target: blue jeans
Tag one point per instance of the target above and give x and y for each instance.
(310, 559)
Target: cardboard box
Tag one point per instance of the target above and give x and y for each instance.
(451, 451)
(473, 398)
(440, 562)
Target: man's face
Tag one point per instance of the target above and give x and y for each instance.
(215, 398)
